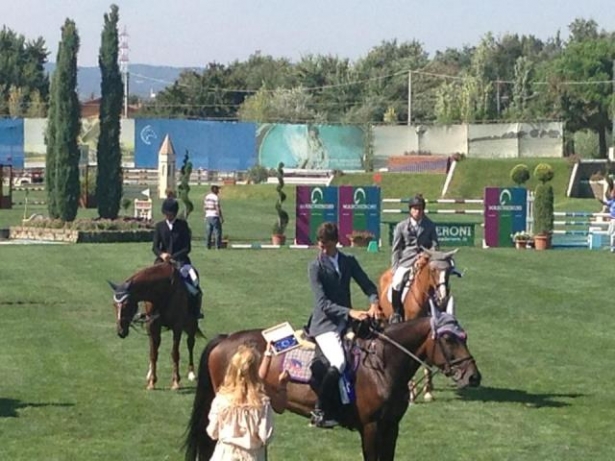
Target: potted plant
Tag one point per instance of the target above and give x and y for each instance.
(360, 238)
(543, 207)
(278, 233)
(521, 239)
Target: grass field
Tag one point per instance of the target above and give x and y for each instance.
(540, 326)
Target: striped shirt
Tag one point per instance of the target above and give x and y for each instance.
(211, 205)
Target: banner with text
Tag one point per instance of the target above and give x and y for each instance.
(314, 205)
(505, 214)
(359, 210)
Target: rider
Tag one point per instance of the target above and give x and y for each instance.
(172, 243)
(330, 275)
(409, 238)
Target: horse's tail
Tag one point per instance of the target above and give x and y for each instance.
(198, 445)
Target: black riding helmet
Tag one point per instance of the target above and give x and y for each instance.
(418, 201)
(170, 206)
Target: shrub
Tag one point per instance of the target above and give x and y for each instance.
(258, 174)
(543, 172)
(279, 227)
(184, 185)
(520, 174)
(543, 209)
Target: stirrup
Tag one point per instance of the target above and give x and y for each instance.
(318, 420)
(395, 318)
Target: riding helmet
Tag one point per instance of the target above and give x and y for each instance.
(170, 206)
(417, 201)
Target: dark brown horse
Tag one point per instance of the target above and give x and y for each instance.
(166, 300)
(431, 284)
(387, 361)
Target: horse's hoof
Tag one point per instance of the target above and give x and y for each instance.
(175, 387)
(428, 397)
(191, 376)
(150, 386)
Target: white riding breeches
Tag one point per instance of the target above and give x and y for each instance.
(330, 344)
(398, 277)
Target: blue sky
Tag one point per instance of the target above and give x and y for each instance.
(195, 32)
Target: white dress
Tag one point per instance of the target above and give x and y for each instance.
(242, 432)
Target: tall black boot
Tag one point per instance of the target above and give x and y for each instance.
(328, 396)
(197, 300)
(398, 307)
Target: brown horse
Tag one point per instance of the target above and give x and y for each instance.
(431, 281)
(166, 305)
(431, 284)
(387, 361)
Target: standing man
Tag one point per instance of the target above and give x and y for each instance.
(213, 218)
(330, 275)
(409, 238)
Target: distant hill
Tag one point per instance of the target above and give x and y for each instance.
(144, 79)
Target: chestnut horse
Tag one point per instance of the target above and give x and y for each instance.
(431, 284)
(386, 363)
(166, 305)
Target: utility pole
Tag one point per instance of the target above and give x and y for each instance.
(497, 86)
(124, 67)
(409, 98)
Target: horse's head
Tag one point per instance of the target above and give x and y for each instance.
(450, 350)
(438, 266)
(125, 307)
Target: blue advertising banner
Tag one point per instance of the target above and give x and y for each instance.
(313, 147)
(11, 142)
(228, 146)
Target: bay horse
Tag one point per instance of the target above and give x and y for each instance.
(432, 271)
(166, 300)
(386, 363)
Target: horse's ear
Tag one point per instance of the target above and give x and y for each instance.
(113, 286)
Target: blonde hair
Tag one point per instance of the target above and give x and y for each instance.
(241, 382)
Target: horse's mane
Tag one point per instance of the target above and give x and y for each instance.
(153, 273)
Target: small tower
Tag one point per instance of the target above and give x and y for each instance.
(166, 167)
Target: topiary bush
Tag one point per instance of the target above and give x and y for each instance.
(520, 174)
(279, 227)
(543, 200)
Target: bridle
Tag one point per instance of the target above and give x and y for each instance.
(445, 367)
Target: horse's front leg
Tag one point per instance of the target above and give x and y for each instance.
(153, 330)
(428, 397)
(177, 335)
(369, 441)
(190, 342)
(388, 432)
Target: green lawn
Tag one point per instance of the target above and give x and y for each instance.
(539, 324)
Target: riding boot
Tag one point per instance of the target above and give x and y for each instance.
(196, 304)
(398, 307)
(327, 400)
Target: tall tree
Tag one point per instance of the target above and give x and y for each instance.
(63, 128)
(109, 152)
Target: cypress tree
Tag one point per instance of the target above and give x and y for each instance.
(63, 128)
(109, 154)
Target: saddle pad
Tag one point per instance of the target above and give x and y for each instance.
(297, 362)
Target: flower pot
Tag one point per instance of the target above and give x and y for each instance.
(520, 244)
(278, 239)
(542, 242)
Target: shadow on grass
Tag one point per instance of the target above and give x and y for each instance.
(9, 407)
(494, 394)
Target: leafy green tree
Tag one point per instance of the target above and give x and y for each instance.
(21, 70)
(109, 153)
(588, 103)
(63, 129)
(280, 105)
